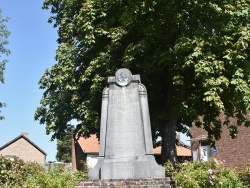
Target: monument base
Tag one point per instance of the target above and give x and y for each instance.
(139, 167)
(128, 183)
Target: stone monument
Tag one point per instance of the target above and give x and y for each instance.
(126, 149)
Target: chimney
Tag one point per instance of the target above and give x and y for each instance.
(25, 134)
(178, 137)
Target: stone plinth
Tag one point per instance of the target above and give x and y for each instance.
(128, 183)
(126, 149)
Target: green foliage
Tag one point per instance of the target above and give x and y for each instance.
(244, 173)
(17, 174)
(193, 57)
(57, 177)
(170, 169)
(4, 33)
(12, 173)
(205, 175)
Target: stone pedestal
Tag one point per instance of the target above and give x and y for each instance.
(126, 149)
(128, 183)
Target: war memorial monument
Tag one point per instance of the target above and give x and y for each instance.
(126, 151)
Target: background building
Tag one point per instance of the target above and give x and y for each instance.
(87, 150)
(23, 148)
(232, 152)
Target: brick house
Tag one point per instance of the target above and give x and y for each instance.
(232, 152)
(87, 149)
(23, 148)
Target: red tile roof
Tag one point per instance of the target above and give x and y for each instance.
(91, 145)
(181, 151)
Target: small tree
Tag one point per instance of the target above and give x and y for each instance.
(64, 146)
(4, 33)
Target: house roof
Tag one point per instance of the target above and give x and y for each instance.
(91, 145)
(24, 136)
(181, 151)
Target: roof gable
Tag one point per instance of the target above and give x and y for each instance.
(27, 139)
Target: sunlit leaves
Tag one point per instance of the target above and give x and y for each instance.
(4, 33)
(193, 57)
(233, 131)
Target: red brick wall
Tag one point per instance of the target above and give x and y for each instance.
(80, 157)
(232, 151)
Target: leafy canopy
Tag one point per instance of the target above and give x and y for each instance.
(193, 57)
(4, 33)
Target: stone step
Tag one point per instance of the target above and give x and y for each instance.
(127, 183)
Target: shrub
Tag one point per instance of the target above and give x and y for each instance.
(170, 170)
(18, 174)
(12, 172)
(57, 177)
(206, 175)
(244, 173)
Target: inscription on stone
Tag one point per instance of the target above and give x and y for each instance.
(125, 138)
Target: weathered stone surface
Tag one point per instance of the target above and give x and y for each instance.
(126, 150)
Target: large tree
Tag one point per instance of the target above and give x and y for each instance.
(193, 57)
(4, 33)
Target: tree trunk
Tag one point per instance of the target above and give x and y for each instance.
(73, 153)
(168, 151)
(168, 126)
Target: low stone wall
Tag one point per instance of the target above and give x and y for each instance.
(128, 183)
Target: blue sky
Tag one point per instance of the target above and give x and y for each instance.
(33, 44)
